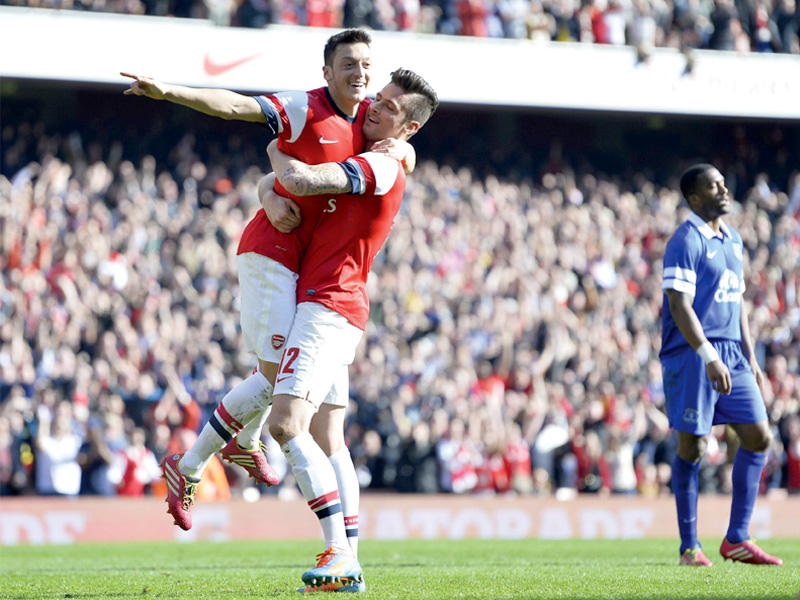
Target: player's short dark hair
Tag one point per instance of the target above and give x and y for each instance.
(423, 101)
(690, 177)
(348, 36)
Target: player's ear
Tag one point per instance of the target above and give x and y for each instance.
(411, 128)
(327, 73)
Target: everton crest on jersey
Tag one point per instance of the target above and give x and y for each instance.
(709, 268)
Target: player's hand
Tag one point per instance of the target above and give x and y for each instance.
(398, 150)
(283, 213)
(393, 148)
(720, 376)
(761, 379)
(145, 86)
(272, 148)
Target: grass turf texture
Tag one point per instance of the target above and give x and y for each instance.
(422, 570)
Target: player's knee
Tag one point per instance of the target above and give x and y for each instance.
(280, 431)
(692, 449)
(693, 455)
(761, 443)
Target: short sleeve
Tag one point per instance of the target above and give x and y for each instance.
(681, 260)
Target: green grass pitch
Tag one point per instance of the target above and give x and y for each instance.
(419, 570)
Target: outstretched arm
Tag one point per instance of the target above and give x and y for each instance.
(215, 102)
(301, 179)
(680, 306)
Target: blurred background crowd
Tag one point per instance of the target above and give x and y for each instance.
(734, 25)
(514, 334)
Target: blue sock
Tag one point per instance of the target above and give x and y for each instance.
(684, 486)
(746, 478)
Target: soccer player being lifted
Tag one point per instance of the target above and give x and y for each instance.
(333, 306)
(711, 375)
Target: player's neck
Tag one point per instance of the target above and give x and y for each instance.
(715, 223)
(716, 226)
(345, 105)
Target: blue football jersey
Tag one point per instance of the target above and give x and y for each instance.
(709, 268)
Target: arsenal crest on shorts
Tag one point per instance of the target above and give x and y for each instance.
(278, 341)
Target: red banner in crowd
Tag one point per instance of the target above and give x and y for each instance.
(34, 520)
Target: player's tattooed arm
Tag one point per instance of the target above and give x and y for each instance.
(301, 179)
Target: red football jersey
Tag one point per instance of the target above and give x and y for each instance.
(312, 129)
(351, 231)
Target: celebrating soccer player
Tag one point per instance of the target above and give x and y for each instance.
(321, 125)
(333, 307)
(711, 375)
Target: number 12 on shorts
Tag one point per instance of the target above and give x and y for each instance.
(285, 369)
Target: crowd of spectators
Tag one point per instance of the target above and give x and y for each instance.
(512, 347)
(733, 25)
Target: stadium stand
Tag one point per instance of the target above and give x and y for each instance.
(734, 25)
(515, 308)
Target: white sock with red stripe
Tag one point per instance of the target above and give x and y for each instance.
(317, 481)
(244, 403)
(349, 492)
(250, 436)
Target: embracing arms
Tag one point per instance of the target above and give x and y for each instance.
(302, 179)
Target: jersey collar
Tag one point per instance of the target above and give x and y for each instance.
(336, 109)
(705, 228)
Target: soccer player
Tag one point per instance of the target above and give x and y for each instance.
(333, 307)
(711, 374)
(321, 125)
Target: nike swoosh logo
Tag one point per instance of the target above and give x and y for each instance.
(213, 68)
(711, 254)
(282, 379)
(322, 140)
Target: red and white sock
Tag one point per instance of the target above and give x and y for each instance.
(349, 492)
(317, 481)
(244, 403)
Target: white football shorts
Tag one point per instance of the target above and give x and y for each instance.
(268, 303)
(321, 345)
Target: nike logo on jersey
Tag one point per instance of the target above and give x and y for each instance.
(711, 254)
(322, 140)
(280, 379)
(213, 68)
